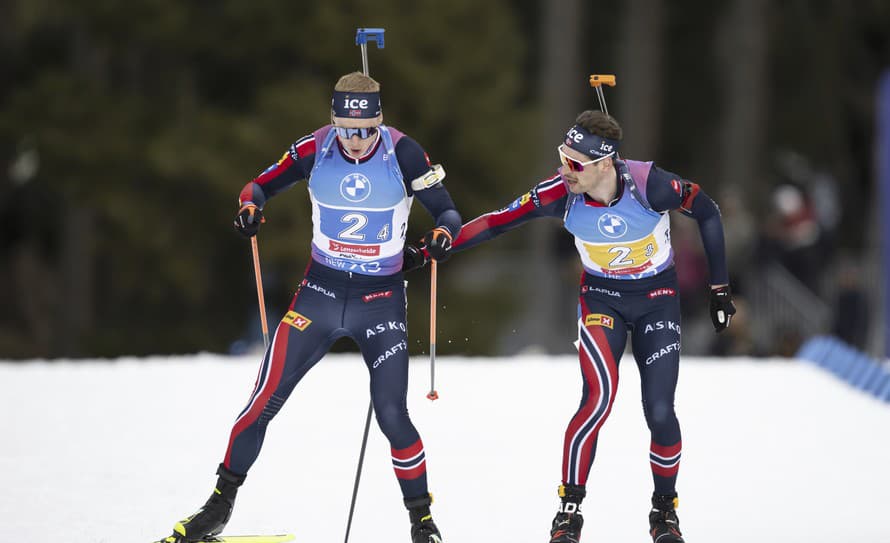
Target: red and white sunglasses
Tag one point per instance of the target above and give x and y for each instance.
(576, 165)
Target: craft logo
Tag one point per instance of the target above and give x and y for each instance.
(296, 320)
(667, 349)
(598, 319)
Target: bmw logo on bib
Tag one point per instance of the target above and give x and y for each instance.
(355, 187)
(611, 226)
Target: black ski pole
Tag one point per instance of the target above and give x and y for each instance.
(358, 471)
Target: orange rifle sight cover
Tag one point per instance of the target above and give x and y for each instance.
(602, 79)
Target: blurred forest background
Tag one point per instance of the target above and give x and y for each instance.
(127, 130)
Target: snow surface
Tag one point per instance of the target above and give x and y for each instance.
(117, 451)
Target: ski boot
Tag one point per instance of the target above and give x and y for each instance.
(212, 518)
(423, 529)
(568, 521)
(664, 526)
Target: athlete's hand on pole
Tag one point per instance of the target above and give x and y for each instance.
(413, 257)
(438, 243)
(248, 220)
(722, 308)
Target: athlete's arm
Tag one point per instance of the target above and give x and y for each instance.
(293, 166)
(547, 199)
(430, 191)
(667, 191)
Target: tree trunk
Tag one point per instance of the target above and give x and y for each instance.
(548, 321)
(639, 78)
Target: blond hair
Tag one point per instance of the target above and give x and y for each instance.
(357, 82)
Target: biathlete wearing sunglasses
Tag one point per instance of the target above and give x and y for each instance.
(362, 179)
(617, 211)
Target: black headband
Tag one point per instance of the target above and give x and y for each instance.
(358, 105)
(579, 139)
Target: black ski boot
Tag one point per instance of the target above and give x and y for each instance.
(423, 529)
(664, 527)
(212, 518)
(567, 524)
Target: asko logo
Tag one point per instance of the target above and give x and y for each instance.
(662, 292)
(355, 103)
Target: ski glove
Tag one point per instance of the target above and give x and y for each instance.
(438, 243)
(413, 257)
(248, 220)
(722, 308)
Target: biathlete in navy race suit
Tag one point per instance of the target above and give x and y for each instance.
(362, 179)
(617, 211)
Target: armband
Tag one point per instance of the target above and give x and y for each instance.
(433, 177)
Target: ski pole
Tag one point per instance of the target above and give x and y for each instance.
(259, 289)
(597, 81)
(358, 471)
(362, 36)
(433, 394)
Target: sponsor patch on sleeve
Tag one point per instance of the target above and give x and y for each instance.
(521, 201)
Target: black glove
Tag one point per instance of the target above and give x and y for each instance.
(413, 257)
(248, 220)
(437, 243)
(722, 308)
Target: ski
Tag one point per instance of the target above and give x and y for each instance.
(282, 538)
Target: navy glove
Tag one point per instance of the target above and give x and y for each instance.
(248, 220)
(722, 308)
(413, 257)
(437, 243)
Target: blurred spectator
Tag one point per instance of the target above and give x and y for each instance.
(820, 186)
(799, 233)
(691, 265)
(792, 235)
(851, 306)
(740, 233)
